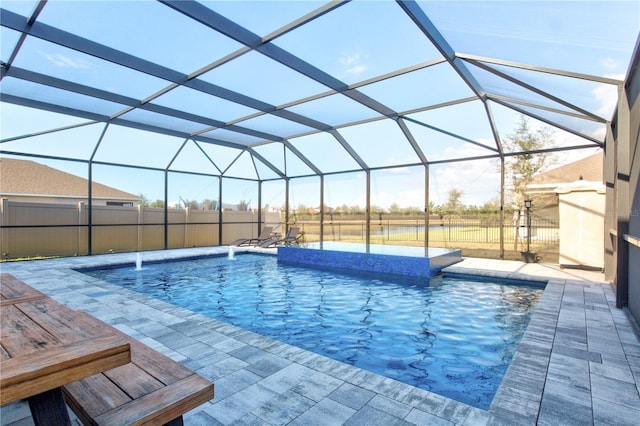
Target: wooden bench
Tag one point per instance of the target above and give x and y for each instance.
(152, 389)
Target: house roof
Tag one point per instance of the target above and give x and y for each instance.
(25, 177)
(589, 169)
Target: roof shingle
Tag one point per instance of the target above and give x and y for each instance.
(589, 169)
(27, 177)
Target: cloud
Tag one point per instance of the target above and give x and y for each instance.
(353, 63)
(358, 69)
(610, 64)
(398, 171)
(479, 180)
(403, 198)
(63, 61)
(349, 59)
(606, 96)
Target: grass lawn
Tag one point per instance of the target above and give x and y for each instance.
(474, 241)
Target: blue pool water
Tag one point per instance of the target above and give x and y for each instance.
(454, 337)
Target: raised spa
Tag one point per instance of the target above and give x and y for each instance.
(376, 258)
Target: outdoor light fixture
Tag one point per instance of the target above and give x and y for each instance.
(527, 203)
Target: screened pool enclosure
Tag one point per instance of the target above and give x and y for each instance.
(301, 106)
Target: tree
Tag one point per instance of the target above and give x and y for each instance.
(435, 209)
(302, 211)
(521, 169)
(395, 210)
(356, 210)
(144, 200)
(453, 202)
(491, 206)
(208, 204)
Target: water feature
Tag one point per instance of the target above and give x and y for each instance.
(138, 262)
(232, 255)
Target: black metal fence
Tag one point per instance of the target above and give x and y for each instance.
(478, 230)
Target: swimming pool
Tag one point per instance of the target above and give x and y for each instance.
(454, 337)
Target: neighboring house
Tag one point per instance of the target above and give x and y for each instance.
(585, 172)
(545, 187)
(28, 181)
(578, 191)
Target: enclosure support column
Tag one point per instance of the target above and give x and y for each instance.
(623, 203)
(166, 209)
(368, 212)
(501, 207)
(259, 207)
(426, 206)
(90, 211)
(90, 192)
(610, 217)
(220, 211)
(286, 207)
(321, 208)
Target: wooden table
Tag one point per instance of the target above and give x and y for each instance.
(45, 345)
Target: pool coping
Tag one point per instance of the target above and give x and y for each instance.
(537, 388)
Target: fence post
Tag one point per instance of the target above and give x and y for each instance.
(4, 220)
(79, 232)
(83, 227)
(186, 227)
(140, 228)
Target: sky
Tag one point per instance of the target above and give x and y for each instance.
(567, 36)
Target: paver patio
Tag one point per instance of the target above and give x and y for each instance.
(578, 362)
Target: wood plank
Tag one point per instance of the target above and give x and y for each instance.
(163, 405)
(163, 368)
(3, 353)
(62, 322)
(20, 335)
(25, 376)
(159, 390)
(13, 288)
(93, 396)
(142, 385)
(7, 302)
(45, 324)
(25, 368)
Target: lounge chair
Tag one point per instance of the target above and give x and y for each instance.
(264, 236)
(293, 236)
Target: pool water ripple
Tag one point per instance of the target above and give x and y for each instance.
(454, 337)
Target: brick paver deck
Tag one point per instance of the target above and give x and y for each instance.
(578, 362)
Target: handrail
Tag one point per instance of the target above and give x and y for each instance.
(631, 239)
